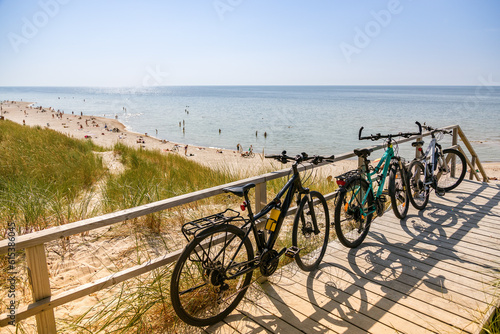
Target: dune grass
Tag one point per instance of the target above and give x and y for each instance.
(41, 171)
(151, 176)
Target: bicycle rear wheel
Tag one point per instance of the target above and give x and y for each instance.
(351, 222)
(398, 192)
(312, 245)
(447, 178)
(207, 282)
(419, 192)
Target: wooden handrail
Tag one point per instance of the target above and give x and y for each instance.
(45, 302)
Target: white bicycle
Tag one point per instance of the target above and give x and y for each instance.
(438, 169)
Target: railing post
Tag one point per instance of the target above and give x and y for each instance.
(472, 168)
(454, 142)
(260, 196)
(260, 202)
(38, 275)
(417, 152)
(472, 153)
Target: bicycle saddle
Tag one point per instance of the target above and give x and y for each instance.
(417, 143)
(363, 152)
(240, 191)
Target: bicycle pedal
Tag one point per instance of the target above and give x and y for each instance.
(292, 252)
(382, 198)
(440, 192)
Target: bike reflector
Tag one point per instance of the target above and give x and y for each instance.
(341, 183)
(243, 206)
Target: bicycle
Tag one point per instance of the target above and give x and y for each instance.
(248, 154)
(357, 200)
(215, 269)
(434, 169)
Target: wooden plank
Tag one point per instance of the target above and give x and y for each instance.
(352, 304)
(263, 317)
(38, 275)
(300, 315)
(447, 253)
(338, 264)
(397, 295)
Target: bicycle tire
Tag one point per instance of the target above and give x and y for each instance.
(351, 226)
(398, 191)
(312, 246)
(419, 193)
(445, 181)
(200, 292)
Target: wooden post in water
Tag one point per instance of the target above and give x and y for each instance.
(38, 275)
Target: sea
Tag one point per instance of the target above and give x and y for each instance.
(313, 119)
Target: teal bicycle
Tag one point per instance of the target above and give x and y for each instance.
(358, 201)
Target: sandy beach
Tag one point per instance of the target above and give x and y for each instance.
(107, 132)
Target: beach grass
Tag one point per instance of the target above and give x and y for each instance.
(41, 171)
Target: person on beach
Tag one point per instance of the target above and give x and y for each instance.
(186, 150)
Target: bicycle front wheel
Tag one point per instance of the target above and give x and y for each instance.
(398, 191)
(419, 192)
(211, 277)
(352, 220)
(311, 229)
(449, 177)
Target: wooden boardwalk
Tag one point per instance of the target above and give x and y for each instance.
(429, 273)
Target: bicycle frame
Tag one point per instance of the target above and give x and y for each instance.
(385, 160)
(430, 153)
(293, 186)
(431, 163)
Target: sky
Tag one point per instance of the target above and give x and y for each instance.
(115, 43)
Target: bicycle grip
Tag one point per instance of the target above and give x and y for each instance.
(419, 128)
(360, 130)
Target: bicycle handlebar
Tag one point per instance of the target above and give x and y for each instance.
(401, 134)
(429, 128)
(315, 159)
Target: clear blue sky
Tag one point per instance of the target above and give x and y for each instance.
(248, 42)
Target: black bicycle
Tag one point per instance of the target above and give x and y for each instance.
(438, 169)
(215, 269)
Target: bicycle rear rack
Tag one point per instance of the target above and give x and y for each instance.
(347, 175)
(193, 228)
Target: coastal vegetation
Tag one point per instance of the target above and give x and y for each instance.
(45, 176)
(42, 175)
(49, 179)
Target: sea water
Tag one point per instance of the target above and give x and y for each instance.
(313, 119)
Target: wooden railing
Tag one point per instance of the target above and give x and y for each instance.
(34, 243)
